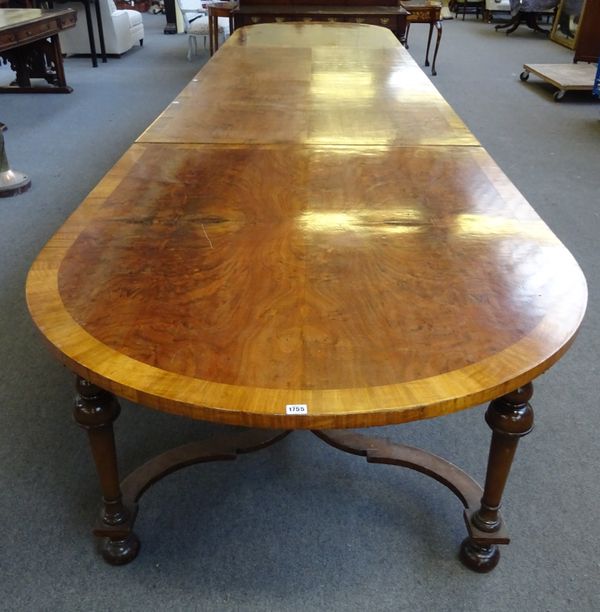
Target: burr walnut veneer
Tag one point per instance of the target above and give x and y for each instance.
(308, 237)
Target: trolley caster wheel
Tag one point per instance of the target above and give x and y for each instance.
(524, 76)
(559, 95)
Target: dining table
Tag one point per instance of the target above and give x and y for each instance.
(307, 238)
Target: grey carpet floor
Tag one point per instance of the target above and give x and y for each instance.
(299, 526)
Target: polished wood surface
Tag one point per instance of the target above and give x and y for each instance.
(377, 279)
(355, 85)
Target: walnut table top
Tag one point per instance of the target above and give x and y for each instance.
(309, 222)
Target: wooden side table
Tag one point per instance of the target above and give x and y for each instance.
(29, 44)
(216, 10)
(425, 11)
(392, 17)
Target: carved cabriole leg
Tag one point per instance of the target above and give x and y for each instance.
(510, 418)
(95, 411)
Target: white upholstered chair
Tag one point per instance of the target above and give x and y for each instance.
(123, 28)
(195, 19)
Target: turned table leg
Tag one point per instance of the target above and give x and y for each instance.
(95, 411)
(510, 418)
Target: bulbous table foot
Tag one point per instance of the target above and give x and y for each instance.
(13, 182)
(477, 557)
(120, 552)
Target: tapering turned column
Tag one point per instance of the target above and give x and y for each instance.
(510, 417)
(95, 411)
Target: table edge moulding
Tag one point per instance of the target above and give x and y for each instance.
(321, 257)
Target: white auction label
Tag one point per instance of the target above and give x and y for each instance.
(296, 409)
